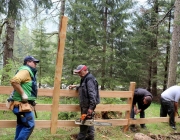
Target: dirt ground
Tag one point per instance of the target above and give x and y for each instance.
(173, 136)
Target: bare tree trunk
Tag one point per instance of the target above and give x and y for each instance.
(167, 56)
(8, 44)
(155, 47)
(8, 49)
(153, 61)
(104, 50)
(149, 77)
(175, 46)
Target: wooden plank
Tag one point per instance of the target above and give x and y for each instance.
(152, 120)
(76, 108)
(6, 89)
(112, 107)
(129, 101)
(60, 123)
(70, 123)
(58, 73)
(7, 123)
(42, 123)
(72, 93)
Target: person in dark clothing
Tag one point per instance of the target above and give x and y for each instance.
(143, 99)
(169, 104)
(88, 98)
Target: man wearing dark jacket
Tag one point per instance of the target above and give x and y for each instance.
(88, 98)
(143, 99)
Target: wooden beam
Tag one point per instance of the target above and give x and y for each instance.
(6, 89)
(58, 73)
(152, 120)
(72, 93)
(129, 101)
(70, 123)
(60, 123)
(75, 107)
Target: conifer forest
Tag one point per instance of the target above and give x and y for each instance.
(119, 40)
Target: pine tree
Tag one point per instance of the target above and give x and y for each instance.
(96, 34)
(44, 50)
(13, 11)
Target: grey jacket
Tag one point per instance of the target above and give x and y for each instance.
(88, 92)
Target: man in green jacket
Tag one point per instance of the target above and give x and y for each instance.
(25, 90)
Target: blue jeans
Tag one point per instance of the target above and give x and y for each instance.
(25, 124)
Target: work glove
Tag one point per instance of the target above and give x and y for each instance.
(24, 97)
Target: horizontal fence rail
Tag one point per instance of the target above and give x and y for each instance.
(72, 93)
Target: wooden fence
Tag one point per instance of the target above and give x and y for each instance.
(125, 122)
(75, 108)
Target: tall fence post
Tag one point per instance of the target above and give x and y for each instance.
(129, 101)
(58, 73)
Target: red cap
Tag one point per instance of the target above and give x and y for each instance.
(80, 68)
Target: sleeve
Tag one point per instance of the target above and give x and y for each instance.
(134, 99)
(21, 76)
(138, 94)
(177, 97)
(91, 87)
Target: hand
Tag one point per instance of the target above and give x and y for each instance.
(24, 97)
(137, 111)
(176, 114)
(89, 113)
(72, 86)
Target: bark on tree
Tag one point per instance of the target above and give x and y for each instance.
(104, 49)
(8, 48)
(167, 56)
(152, 81)
(8, 44)
(175, 46)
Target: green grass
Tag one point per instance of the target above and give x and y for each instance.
(102, 133)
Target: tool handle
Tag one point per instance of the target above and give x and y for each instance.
(35, 111)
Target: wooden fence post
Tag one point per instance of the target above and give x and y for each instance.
(129, 101)
(58, 74)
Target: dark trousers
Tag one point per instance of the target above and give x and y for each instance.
(167, 108)
(142, 113)
(86, 132)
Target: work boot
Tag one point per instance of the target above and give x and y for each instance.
(143, 126)
(173, 127)
(89, 138)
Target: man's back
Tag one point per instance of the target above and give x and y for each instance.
(171, 94)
